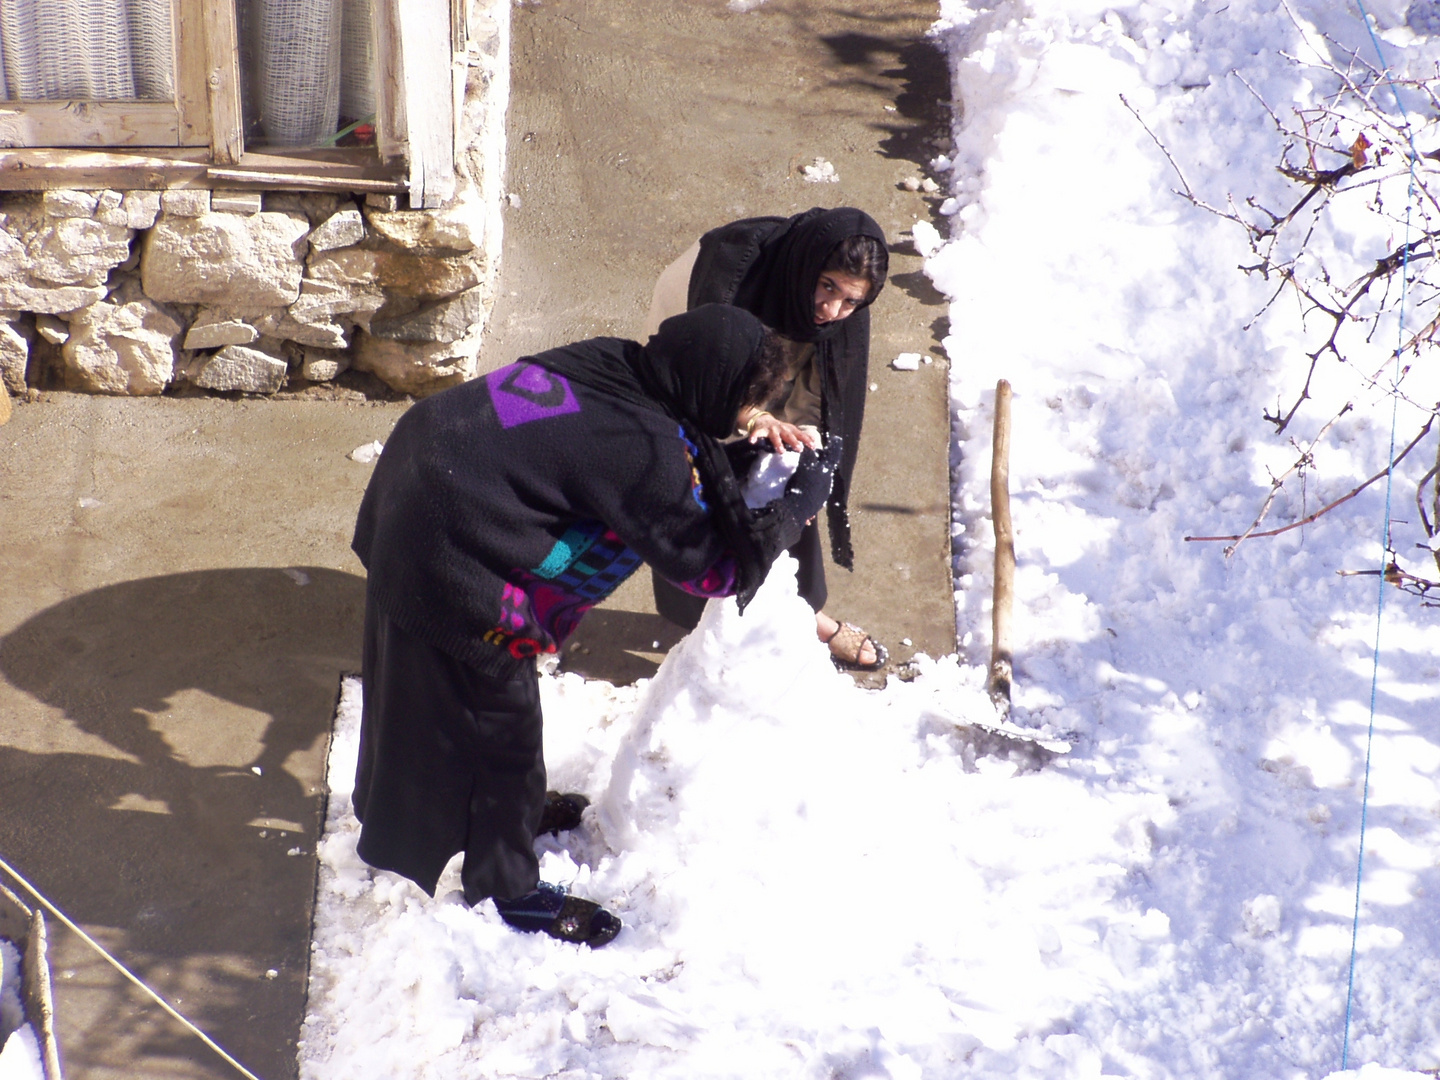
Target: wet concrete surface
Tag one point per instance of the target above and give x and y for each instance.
(180, 598)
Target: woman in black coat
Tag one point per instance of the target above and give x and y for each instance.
(811, 278)
(500, 511)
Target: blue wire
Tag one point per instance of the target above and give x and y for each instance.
(1385, 534)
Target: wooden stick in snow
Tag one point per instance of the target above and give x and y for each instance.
(1000, 655)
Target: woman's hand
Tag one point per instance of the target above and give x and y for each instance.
(782, 436)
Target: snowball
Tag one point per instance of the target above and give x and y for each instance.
(367, 453)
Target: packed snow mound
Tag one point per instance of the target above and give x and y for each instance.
(805, 883)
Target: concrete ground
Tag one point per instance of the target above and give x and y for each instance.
(180, 599)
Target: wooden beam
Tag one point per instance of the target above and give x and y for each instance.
(1001, 653)
(426, 59)
(222, 77)
(192, 97)
(89, 123)
(157, 169)
(304, 181)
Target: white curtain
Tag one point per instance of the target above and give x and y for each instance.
(85, 50)
(309, 63)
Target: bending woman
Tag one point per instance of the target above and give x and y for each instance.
(810, 278)
(500, 512)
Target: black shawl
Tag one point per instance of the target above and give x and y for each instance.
(770, 266)
(696, 370)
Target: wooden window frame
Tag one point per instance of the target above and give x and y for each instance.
(197, 140)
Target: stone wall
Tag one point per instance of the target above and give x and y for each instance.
(144, 292)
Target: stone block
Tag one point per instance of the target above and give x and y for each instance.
(185, 202)
(141, 208)
(108, 209)
(445, 321)
(41, 297)
(341, 229)
(239, 367)
(240, 263)
(76, 251)
(457, 227)
(418, 368)
(323, 365)
(320, 301)
(126, 348)
(69, 204)
(213, 331)
(54, 330)
(16, 336)
(236, 202)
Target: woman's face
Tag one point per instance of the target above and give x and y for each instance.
(837, 295)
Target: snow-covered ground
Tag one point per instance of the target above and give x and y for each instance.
(822, 881)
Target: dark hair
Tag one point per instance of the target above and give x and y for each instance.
(862, 257)
(767, 371)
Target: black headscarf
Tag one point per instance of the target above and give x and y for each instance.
(696, 370)
(770, 266)
(778, 281)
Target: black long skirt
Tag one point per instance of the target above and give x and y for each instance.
(451, 759)
(684, 610)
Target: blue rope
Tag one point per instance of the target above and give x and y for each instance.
(1385, 534)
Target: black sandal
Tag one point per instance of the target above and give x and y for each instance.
(851, 640)
(550, 909)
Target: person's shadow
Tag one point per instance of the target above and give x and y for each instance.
(180, 799)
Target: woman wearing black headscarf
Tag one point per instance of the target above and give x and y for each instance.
(500, 512)
(811, 278)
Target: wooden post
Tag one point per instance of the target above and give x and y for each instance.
(1001, 657)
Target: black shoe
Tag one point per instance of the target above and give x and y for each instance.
(550, 909)
(562, 813)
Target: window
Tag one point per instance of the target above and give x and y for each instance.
(357, 95)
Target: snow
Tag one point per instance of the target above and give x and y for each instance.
(19, 1049)
(1153, 873)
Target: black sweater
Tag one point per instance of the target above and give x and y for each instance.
(503, 509)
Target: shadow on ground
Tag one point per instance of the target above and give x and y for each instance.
(176, 745)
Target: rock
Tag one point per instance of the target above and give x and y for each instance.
(16, 337)
(323, 365)
(4, 404)
(238, 263)
(212, 331)
(76, 251)
(185, 202)
(341, 229)
(235, 202)
(69, 204)
(109, 211)
(424, 277)
(37, 296)
(446, 321)
(319, 301)
(141, 208)
(237, 367)
(374, 200)
(54, 330)
(457, 227)
(416, 367)
(125, 348)
(322, 333)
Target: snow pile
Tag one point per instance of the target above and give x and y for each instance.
(820, 881)
(815, 880)
(19, 1049)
